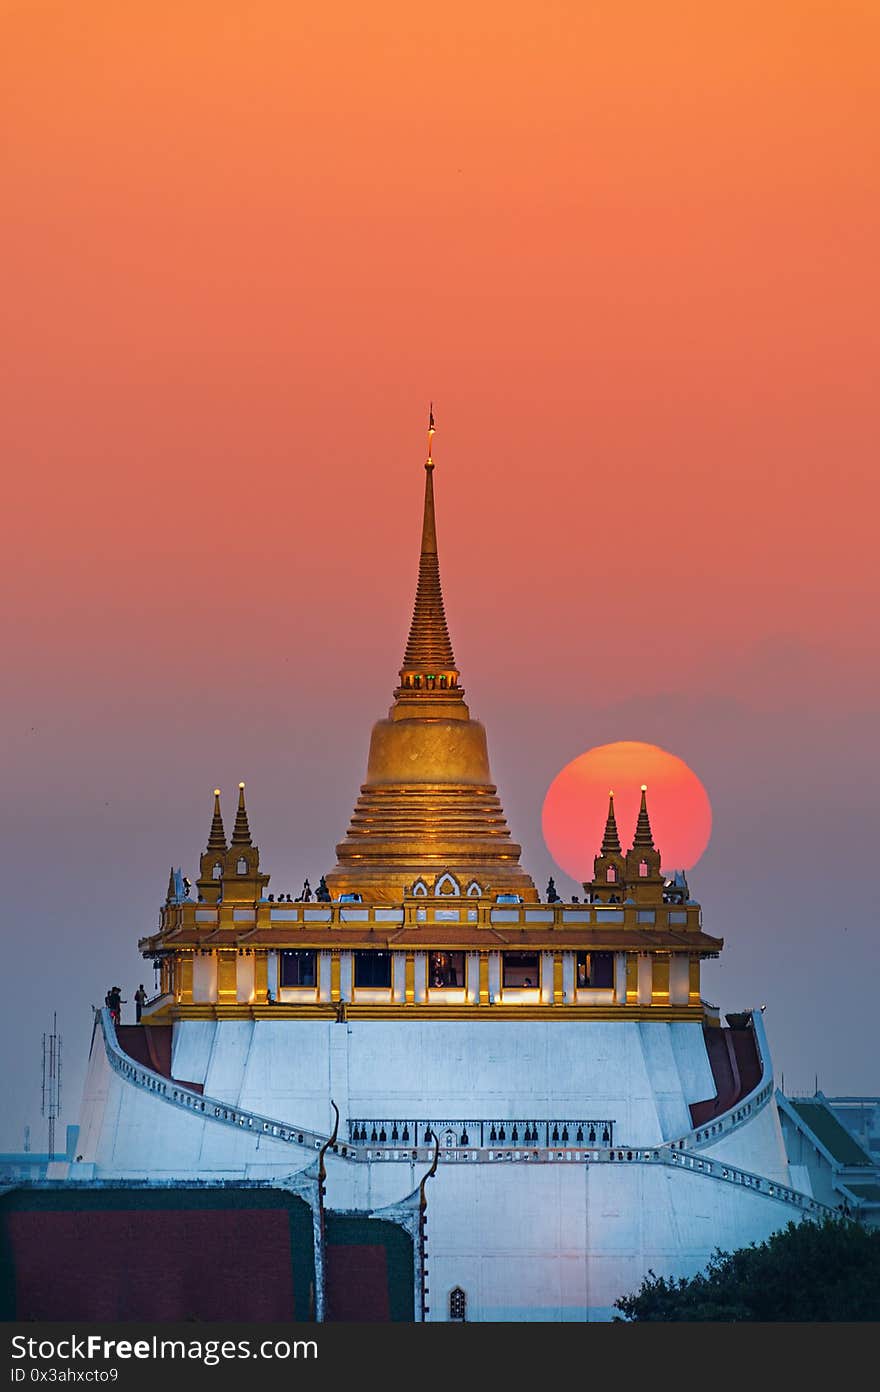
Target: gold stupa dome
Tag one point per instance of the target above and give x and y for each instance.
(428, 804)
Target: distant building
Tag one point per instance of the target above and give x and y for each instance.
(826, 1158)
(30, 1165)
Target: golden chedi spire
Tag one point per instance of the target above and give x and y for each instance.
(643, 876)
(428, 663)
(611, 840)
(217, 836)
(644, 836)
(213, 859)
(428, 805)
(241, 832)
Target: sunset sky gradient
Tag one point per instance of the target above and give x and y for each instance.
(630, 251)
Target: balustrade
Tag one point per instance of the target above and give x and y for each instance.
(474, 1141)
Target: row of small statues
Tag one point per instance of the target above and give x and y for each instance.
(322, 894)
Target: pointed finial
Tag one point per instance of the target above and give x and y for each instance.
(172, 890)
(644, 836)
(611, 839)
(429, 462)
(428, 661)
(241, 832)
(217, 838)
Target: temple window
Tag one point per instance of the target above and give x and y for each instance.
(298, 968)
(457, 1304)
(473, 890)
(217, 872)
(241, 867)
(417, 681)
(643, 869)
(420, 888)
(372, 969)
(446, 969)
(442, 681)
(447, 885)
(595, 969)
(611, 875)
(520, 969)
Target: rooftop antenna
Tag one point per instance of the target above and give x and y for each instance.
(27, 1140)
(50, 1106)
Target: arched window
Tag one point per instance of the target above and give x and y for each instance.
(447, 885)
(611, 875)
(457, 1304)
(442, 681)
(643, 869)
(420, 888)
(241, 866)
(217, 872)
(473, 890)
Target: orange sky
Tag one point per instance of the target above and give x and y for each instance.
(630, 251)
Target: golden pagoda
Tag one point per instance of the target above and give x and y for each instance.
(428, 909)
(428, 809)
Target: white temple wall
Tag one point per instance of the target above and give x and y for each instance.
(756, 1145)
(640, 1075)
(692, 1062)
(525, 1241)
(128, 1132)
(563, 1243)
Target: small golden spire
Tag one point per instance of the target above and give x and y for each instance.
(241, 832)
(611, 839)
(429, 462)
(217, 838)
(644, 836)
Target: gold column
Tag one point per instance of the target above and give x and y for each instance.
(227, 977)
(186, 979)
(335, 976)
(261, 977)
(694, 981)
(558, 993)
(660, 979)
(409, 979)
(484, 978)
(632, 978)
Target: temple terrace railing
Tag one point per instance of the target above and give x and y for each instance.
(659, 1155)
(479, 1134)
(206, 1108)
(211, 1109)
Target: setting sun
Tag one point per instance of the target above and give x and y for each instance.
(576, 805)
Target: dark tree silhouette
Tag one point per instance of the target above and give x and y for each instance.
(829, 1270)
